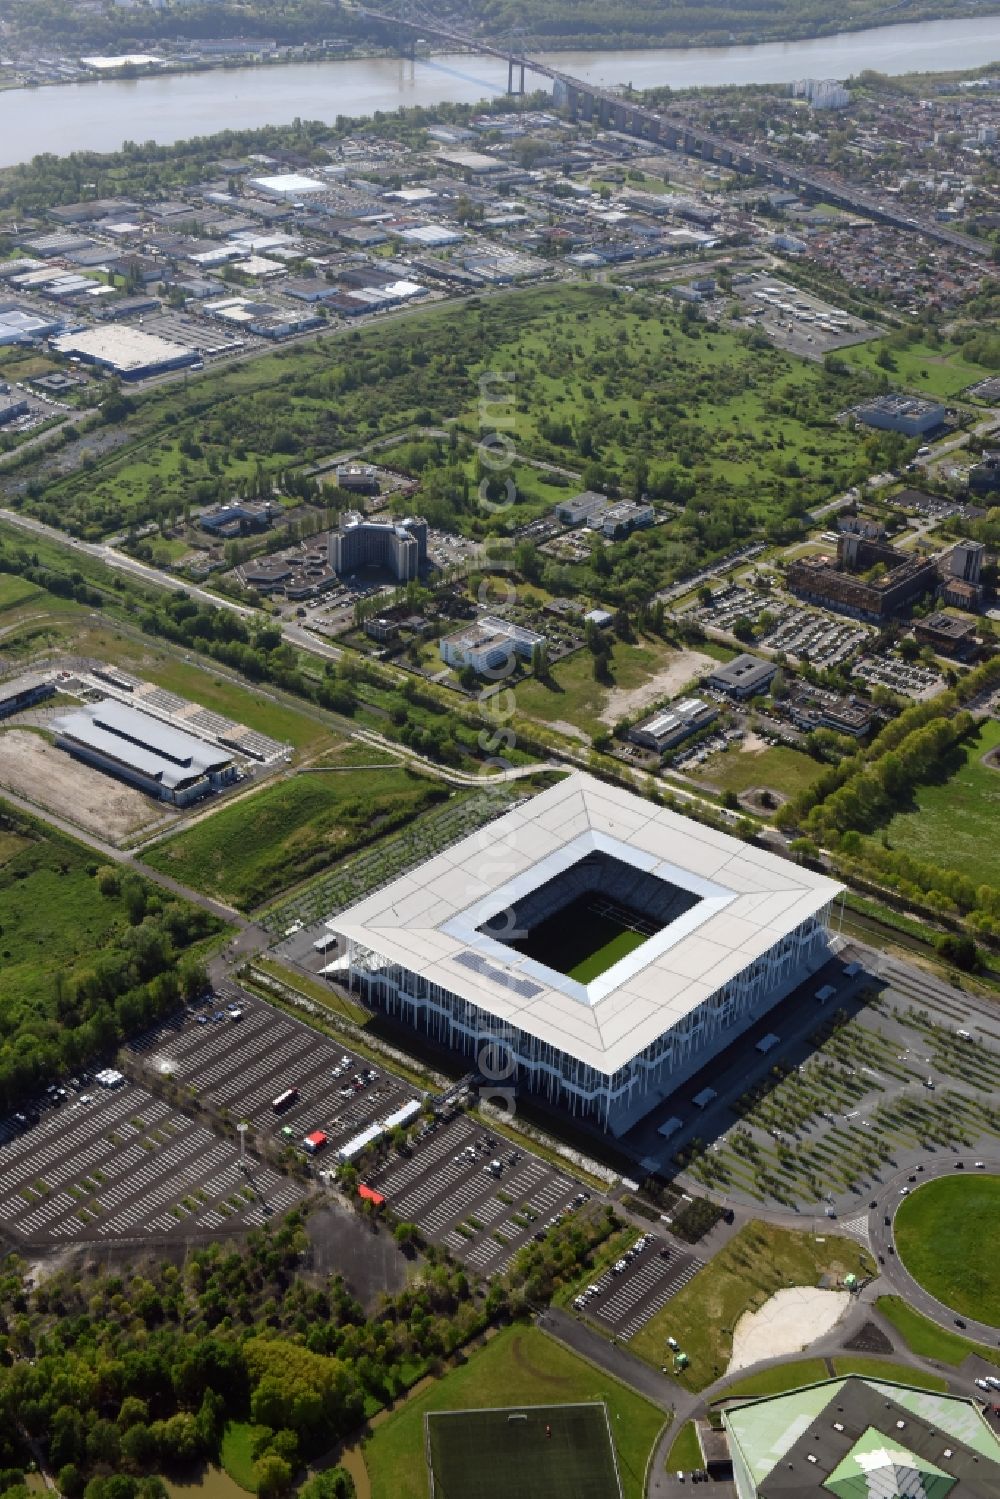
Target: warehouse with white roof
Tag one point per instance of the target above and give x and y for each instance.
(608, 946)
(143, 751)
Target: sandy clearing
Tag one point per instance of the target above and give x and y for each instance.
(33, 768)
(752, 744)
(679, 671)
(787, 1323)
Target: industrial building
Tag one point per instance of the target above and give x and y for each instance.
(10, 410)
(20, 325)
(143, 751)
(130, 353)
(398, 546)
(858, 1438)
(23, 692)
(743, 677)
(462, 948)
(911, 415)
(669, 726)
(868, 580)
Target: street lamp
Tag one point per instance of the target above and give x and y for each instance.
(241, 1130)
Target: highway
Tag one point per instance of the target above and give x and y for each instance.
(675, 130)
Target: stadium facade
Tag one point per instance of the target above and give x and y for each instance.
(480, 947)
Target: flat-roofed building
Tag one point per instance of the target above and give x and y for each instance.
(743, 677)
(132, 354)
(947, 634)
(669, 726)
(486, 650)
(143, 751)
(911, 415)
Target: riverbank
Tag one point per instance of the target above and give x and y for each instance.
(177, 106)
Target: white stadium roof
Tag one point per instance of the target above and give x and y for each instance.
(429, 921)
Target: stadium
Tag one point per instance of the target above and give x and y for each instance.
(607, 946)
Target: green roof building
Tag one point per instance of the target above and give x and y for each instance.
(860, 1438)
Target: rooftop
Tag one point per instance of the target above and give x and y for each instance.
(742, 901)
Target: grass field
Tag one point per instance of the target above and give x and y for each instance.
(942, 372)
(760, 1260)
(928, 1340)
(291, 829)
(580, 941)
(685, 1451)
(779, 1380)
(947, 1233)
(15, 591)
(570, 693)
(540, 1371)
(541, 1452)
(779, 768)
(237, 1453)
(954, 821)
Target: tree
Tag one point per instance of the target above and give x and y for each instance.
(273, 1475)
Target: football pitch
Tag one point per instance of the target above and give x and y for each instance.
(535, 1452)
(582, 940)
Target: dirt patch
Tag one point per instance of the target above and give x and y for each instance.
(788, 1322)
(33, 768)
(371, 1263)
(681, 669)
(752, 744)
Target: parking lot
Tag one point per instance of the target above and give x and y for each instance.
(900, 676)
(638, 1285)
(824, 639)
(244, 1065)
(446, 1187)
(125, 1165)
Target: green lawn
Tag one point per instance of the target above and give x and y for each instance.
(236, 1454)
(879, 1368)
(942, 372)
(779, 768)
(760, 1260)
(15, 591)
(779, 1380)
(947, 1232)
(685, 1452)
(523, 1364)
(926, 1338)
(291, 829)
(954, 821)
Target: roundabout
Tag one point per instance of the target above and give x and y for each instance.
(946, 1234)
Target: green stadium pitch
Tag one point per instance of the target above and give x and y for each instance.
(523, 1452)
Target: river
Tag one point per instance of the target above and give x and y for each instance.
(99, 116)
